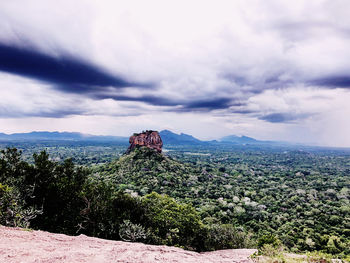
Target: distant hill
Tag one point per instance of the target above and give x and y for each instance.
(169, 137)
(71, 136)
(239, 139)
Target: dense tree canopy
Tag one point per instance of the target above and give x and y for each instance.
(211, 198)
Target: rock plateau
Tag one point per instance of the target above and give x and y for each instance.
(20, 245)
(150, 139)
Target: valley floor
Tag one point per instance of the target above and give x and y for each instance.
(22, 246)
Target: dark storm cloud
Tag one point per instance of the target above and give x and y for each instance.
(59, 113)
(210, 104)
(282, 117)
(44, 113)
(72, 75)
(339, 81)
(183, 105)
(65, 72)
(242, 111)
(274, 79)
(277, 117)
(206, 105)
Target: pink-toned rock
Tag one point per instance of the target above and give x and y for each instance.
(21, 246)
(150, 139)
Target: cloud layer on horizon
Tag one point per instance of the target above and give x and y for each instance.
(252, 63)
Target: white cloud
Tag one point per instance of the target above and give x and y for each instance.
(262, 55)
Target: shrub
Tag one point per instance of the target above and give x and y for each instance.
(319, 257)
(12, 211)
(269, 239)
(270, 250)
(171, 223)
(132, 232)
(226, 237)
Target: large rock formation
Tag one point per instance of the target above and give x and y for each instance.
(150, 139)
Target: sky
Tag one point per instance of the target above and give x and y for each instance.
(272, 70)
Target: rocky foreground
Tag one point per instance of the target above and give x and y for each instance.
(22, 246)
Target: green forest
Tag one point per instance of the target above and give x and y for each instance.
(199, 198)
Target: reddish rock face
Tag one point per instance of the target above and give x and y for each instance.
(150, 139)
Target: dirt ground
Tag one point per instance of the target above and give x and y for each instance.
(22, 246)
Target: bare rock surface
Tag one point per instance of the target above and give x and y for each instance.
(150, 139)
(21, 246)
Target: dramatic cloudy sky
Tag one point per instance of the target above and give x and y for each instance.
(268, 69)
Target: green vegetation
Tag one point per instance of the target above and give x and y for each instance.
(12, 211)
(69, 199)
(80, 152)
(299, 199)
(46, 194)
(270, 254)
(200, 198)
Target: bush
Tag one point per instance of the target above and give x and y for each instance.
(269, 239)
(132, 232)
(319, 257)
(12, 211)
(106, 210)
(59, 190)
(226, 237)
(171, 223)
(270, 250)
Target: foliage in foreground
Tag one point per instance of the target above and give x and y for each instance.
(64, 198)
(272, 254)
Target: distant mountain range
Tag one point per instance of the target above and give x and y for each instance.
(167, 136)
(59, 136)
(239, 139)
